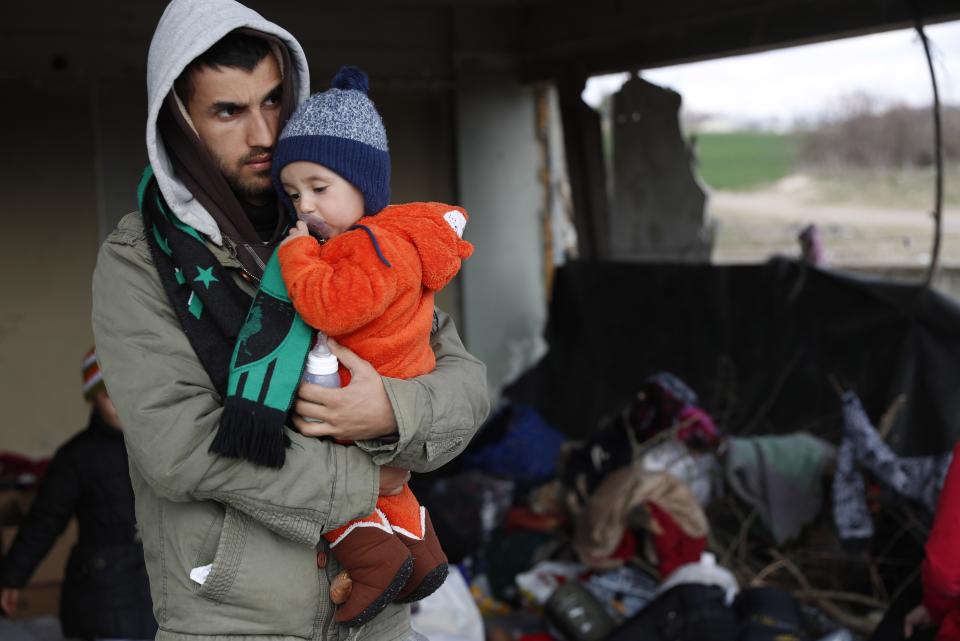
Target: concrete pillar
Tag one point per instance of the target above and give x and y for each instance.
(583, 142)
(499, 161)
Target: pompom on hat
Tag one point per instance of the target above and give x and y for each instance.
(340, 129)
(92, 378)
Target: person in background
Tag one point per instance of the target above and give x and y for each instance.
(106, 594)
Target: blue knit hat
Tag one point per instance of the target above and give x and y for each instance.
(341, 130)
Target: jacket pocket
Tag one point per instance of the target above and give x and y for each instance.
(257, 583)
(227, 558)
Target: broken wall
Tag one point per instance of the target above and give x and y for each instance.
(658, 205)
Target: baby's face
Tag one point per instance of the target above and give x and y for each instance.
(327, 203)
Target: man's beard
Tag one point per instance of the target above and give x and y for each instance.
(250, 188)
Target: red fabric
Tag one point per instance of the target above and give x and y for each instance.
(697, 429)
(941, 567)
(382, 313)
(536, 636)
(674, 547)
(627, 548)
(950, 627)
(14, 466)
(523, 518)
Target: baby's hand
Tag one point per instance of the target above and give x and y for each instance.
(297, 232)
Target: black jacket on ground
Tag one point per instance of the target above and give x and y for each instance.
(105, 589)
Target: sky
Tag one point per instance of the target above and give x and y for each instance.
(782, 86)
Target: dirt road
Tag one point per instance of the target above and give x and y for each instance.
(753, 225)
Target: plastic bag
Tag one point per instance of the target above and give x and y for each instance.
(450, 613)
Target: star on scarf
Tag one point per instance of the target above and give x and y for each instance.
(205, 276)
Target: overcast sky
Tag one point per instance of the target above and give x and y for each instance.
(787, 84)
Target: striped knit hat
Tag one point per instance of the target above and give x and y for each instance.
(92, 378)
(341, 130)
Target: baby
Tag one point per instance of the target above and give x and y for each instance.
(369, 283)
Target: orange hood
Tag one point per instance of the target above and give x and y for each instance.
(435, 230)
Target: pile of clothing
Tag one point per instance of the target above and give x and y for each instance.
(606, 538)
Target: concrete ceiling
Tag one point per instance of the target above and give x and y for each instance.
(427, 42)
(614, 35)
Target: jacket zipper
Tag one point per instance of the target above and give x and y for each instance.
(232, 250)
(256, 258)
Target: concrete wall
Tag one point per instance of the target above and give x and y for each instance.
(420, 130)
(119, 121)
(49, 229)
(499, 165)
(658, 211)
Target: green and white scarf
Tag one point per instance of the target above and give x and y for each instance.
(253, 353)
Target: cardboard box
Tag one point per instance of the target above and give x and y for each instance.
(38, 600)
(12, 506)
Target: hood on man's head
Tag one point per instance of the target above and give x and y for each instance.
(186, 29)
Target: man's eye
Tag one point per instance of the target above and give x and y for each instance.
(228, 112)
(272, 100)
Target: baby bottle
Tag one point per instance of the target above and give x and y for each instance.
(322, 365)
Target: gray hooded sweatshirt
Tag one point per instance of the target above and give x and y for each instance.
(187, 29)
(235, 551)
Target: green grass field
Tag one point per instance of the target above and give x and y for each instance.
(743, 160)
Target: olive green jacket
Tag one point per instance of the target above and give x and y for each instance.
(260, 528)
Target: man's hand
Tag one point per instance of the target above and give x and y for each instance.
(392, 480)
(919, 617)
(297, 231)
(10, 598)
(357, 412)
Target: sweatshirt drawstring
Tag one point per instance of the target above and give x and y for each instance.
(373, 239)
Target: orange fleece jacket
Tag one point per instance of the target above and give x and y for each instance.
(383, 313)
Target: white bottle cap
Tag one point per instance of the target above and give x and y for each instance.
(320, 364)
(321, 360)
